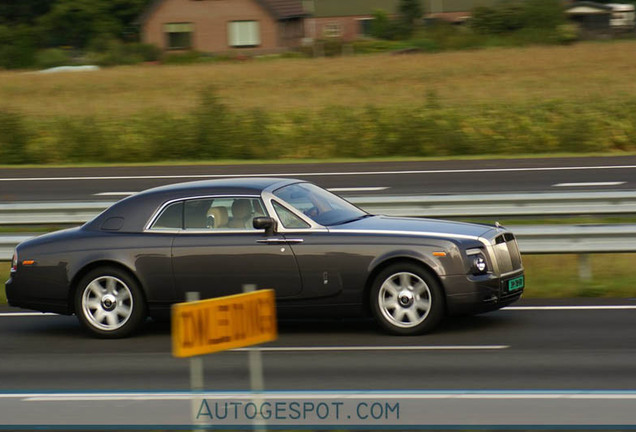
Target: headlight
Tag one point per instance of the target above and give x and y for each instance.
(478, 262)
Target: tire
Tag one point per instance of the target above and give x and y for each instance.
(109, 303)
(406, 300)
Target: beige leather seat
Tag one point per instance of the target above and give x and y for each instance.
(217, 217)
(241, 214)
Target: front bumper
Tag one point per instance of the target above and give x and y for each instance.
(478, 294)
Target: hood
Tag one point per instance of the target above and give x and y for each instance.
(415, 226)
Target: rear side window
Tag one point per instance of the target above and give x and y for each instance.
(171, 218)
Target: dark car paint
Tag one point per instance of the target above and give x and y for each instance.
(332, 267)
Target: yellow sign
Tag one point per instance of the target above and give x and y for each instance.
(207, 326)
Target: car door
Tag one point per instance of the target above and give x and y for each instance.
(218, 251)
(321, 260)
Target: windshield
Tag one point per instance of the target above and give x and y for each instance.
(321, 206)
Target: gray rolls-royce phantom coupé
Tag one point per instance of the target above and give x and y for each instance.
(322, 255)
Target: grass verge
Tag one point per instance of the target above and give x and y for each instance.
(4, 276)
(548, 276)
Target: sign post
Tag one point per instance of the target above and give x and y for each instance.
(205, 326)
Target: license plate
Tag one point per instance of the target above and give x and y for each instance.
(515, 284)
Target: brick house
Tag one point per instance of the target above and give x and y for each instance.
(351, 19)
(343, 19)
(255, 26)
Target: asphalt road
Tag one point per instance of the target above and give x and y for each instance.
(391, 178)
(505, 350)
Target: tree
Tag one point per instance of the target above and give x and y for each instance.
(410, 11)
(23, 11)
(76, 22)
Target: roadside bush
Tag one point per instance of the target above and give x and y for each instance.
(52, 57)
(384, 27)
(211, 130)
(147, 52)
(14, 138)
(116, 53)
(547, 15)
(185, 58)
(17, 47)
(503, 18)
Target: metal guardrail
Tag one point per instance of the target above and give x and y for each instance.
(490, 205)
(533, 239)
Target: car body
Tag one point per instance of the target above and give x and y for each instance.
(322, 255)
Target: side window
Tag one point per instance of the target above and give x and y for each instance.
(287, 218)
(171, 218)
(195, 214)
(226, 213)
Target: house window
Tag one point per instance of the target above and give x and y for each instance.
(244, 33)
(332, 30)
(179, 35)
(364, 28)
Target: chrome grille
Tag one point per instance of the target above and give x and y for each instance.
(507, 253)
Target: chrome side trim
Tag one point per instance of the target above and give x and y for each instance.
(408, 233)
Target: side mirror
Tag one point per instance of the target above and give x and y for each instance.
(266, 223)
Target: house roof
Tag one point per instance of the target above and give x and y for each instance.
(284, 9)
(279, 9)
(335, 8)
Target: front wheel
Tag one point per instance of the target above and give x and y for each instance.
(406, 300)
(109, 304)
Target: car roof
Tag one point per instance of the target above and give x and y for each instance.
(246, 184)
(135, 211)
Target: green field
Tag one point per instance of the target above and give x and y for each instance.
(551, 276)
(502, 101)
(585, 72)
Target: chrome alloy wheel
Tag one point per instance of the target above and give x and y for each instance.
(107, 303)
(404, 300)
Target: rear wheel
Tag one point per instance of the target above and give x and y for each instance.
(109, 303)
(406, 300)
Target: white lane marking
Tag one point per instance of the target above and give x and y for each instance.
(378, 348)
(323, 174)
(358, 189)
(533, 308)
(589, 184)
(460, 394)
(25, 314)
(115, 193)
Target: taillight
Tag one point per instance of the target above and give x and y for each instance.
(14, 262)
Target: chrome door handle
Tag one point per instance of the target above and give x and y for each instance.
(272, 241)
(277, 241)
(294, 241)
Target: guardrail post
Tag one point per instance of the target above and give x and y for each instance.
(585, 269)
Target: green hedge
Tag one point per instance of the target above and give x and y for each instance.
(213, 131)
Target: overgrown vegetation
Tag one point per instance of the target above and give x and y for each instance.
(211, 130)
(495, 102)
